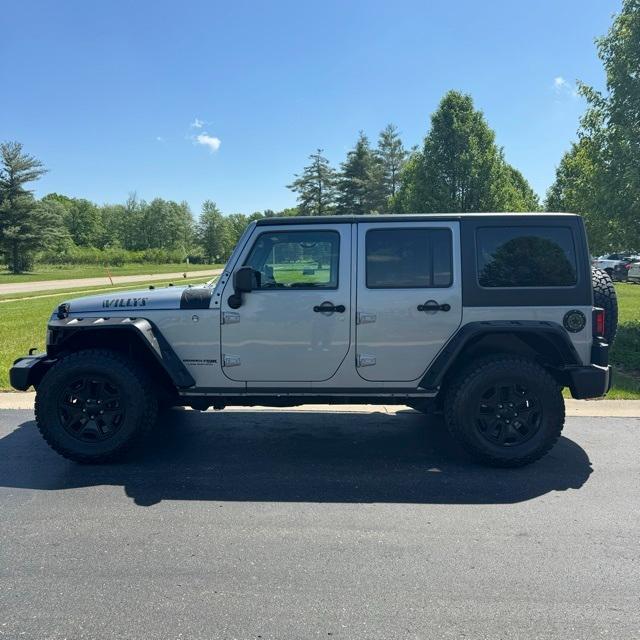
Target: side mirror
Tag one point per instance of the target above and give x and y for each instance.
(245, 280)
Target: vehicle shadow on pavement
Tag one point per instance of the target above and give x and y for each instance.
(288, 456)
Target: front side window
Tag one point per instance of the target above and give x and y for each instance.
(526, 257)
(409, 258)
(296, 259)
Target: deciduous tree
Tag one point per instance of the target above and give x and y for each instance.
(213, 233)
(460, 168)
(600, 175)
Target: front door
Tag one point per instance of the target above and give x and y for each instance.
(296, 326)
(408, 297)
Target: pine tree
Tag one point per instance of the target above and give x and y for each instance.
(316, 187)
(392, 156)
(25, 227)
(359, 184)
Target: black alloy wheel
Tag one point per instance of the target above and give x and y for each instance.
(508, 415)
(91, 408)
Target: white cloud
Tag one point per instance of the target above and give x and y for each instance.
(197, 124)
(562, 87)
(208, 141)
(159, 138)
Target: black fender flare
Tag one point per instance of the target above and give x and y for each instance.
(62, 331)
(470, 332)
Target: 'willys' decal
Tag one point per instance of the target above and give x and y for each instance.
(124, 302)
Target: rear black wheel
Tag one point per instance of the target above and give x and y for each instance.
(94, 405)
(508, 414)
(505, 411)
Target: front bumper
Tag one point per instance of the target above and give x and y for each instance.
(590, 382)
(29, 370)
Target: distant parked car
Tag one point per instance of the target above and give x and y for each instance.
(633, 274)
(621, 271)
(616, 264)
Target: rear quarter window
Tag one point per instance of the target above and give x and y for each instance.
(535, 256)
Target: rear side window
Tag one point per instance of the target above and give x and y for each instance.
(408, 258)
(526, 257)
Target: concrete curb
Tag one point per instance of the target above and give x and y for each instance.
(575, 408)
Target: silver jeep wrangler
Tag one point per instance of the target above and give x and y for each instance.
(483, 317)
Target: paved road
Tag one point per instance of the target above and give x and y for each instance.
(251, 524)
(77, 283)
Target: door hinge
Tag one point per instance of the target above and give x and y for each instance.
(365, 360)
(230, 317)
(365, 318)
(230, 361)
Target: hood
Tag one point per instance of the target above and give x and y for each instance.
(143, 299)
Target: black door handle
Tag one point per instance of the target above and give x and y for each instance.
(432, 305)
(329, 307)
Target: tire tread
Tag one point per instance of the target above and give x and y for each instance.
(455, 398)
(604, 296)
(148, 399)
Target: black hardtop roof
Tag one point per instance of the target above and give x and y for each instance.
(410, 217)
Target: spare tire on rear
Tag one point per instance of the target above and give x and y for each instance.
(604, 296)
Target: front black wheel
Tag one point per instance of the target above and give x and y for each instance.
(505, 411)
(95, 404)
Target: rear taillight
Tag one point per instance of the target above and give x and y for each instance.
(598, 322)
(628, 266)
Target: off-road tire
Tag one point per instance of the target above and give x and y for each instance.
(139, 401)
(465, 395)
(604, 296)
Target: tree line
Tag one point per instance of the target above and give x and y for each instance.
(457, 168)
(59, 229)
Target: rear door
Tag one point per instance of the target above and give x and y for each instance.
(409, 297)
(296, 326)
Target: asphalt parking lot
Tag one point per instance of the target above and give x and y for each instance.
(320, 524)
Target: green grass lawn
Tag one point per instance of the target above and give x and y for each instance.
(625, 353)
(628, 302)
(23, 319)
(62, 272)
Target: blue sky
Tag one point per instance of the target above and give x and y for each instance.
(112, 96)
